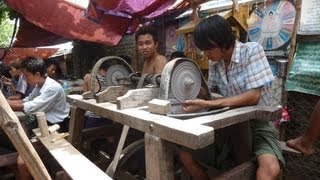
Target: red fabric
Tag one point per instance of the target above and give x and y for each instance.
(30, 35)
(107, 22)
(68, 20)
(21, 53)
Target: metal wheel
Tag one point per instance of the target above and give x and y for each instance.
(185, 81)
(118, 67)
(116, 74)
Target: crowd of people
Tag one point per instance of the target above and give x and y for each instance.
(238, 71)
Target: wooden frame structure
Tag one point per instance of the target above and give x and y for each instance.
(161, 131)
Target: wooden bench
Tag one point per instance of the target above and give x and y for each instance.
(76, 165)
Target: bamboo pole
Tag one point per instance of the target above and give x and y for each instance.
(11, 125)
(293, 44)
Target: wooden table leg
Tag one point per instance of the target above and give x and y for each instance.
(77, 121)
(159, 158)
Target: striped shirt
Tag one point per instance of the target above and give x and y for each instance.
(248, 69)
(103, 86)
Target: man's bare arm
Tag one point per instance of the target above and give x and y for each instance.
(16, 105)
(161, 61)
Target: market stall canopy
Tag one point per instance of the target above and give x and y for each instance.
(30, 35)
(43, 52)
(21, 53)
(105, 21)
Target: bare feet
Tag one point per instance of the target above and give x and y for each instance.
(301, 144)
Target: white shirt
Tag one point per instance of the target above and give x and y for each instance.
(23, 86)
(50, 99)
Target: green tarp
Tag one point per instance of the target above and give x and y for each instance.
(304, 75)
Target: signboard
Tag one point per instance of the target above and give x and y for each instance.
(310, 18)
(272, 26)
(304, 75)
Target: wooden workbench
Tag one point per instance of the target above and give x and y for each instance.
(160, 131)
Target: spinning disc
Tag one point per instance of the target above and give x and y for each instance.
(115, 72)
(185, 81)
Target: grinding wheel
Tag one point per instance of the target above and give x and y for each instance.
(117, 69)
(115, 73)
(185, 81)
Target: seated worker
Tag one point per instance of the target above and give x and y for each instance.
(177, 54)
(53, 69)
(93, 120)
(241, 73)
(305, 143)
(147, 43)
(22, 88)
(47, 96)
(5, 85)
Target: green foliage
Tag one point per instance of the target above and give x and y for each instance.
(6, 26)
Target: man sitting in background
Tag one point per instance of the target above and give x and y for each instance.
(147, 42)
(18, 81)
(47, 96)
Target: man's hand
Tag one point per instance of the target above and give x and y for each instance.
(5, 80)
(194, 105)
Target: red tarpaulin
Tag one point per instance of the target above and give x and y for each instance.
(30, 35)
(21, 53)
(112, 18)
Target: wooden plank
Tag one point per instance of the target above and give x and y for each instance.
(137, 97)
(8, 159)
(236, 116)
(10, 124)
(71, 160)
(159, 158)
(192, 135)
(113, 166)
(76, 125)
(111, 93)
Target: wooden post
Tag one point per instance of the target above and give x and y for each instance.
(10, 124)
(42, 122)
(159, 158)
(76, 126)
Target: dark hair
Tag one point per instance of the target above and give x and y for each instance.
(4, 70)
(214, 29)
(54, 62)
(15, 63)
(177, 54)
(34, 65)
(143, 30)
(105, 65)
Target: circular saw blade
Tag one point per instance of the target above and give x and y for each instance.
(185, 81)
